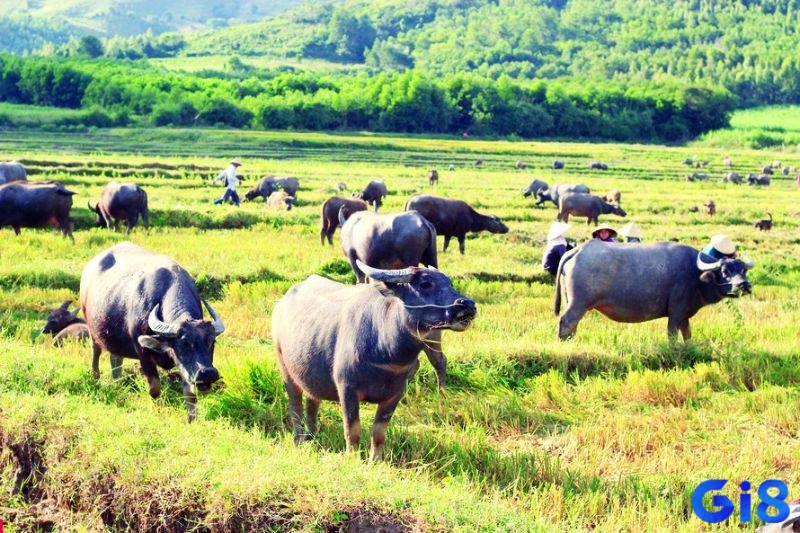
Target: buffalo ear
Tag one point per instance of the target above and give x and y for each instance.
(149, 342)
(707, 276)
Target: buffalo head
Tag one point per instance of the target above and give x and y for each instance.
(495, 225)
(729, 275)
(427, 295)
(99, 221)
(190, 345)
(59, 319)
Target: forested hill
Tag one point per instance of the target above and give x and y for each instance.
(750, 46)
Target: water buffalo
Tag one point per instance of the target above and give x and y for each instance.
(711, 207)
(732, 177)
(641, 282)
(280, 200)
(289, 185)
(388, 241)
(352, 344)
(558, 165)
(479, 162)
(330, 215)
(373, 194)
(121, 201)
(586, 205)
(767, 170)
(265, 186)
(555, 193)
(612, 197)
(454, 218)
(39, 204)
(596, 165)
(776, 164)
(758, 180)
(697, 176)
(534, 188)
(765, 224)
(433, 177)
(520, 165)
(145, 306)
(12, 171)
(785, 171)
(63, 323)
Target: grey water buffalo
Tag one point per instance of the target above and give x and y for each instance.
(558, 165)
(596, 165)
(586, 205)
(289, 185)
(520, 165)
(785, 171)
(732, 177)
(353, 344)
(63, 324)
(12, 171)
(454, 218)
(269, 184)
(36, 204)
(762, 181)
(534, 188)
(697, 176)
(145, 306)
(121, 201)
(554, 193)
(373, 194)
(330, 215)
(765, 224)
(280, 200)
(388, 241)
(641, 282)
(433, 177)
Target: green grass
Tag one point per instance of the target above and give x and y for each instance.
(610, 431)
(760, 127)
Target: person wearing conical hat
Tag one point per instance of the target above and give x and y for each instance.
(556, 246)
(230, 180)
(631, 232)
(720, 247)
(604, 233)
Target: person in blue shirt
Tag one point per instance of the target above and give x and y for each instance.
(556, 246)
(604, 233)
(230, 180)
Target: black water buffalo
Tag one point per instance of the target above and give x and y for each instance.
(454, 218)
(373, 194)
(554, 193)
(732, 177)
(641, 282)
(534, 188)
(520, 165)
(596, 165)
(12, 171)
(280, 200)
(121, 201)
(145, 306)
(767, 170)
(586, 205)
(63, 324)
(353, 344)
(269, 184)
(558, 165)
(763, 181)
(36, 204)
(388, 241)
(330, 215)
(433, 177)
(289, 185)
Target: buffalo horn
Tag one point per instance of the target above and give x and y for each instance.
(92, 209)
(402, 275)
(342, 219)
(749, 263)
(707, 266)
(162, 328)
(65, 305)
(219, 327)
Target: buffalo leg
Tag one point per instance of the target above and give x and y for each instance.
(461, 239)
(360, 277)
(95, 360)
(190, 398)
(312, 415)
(351, 422)
(150, 372)
(16, 229)
(433, 349)
(295, 410)
(686, 330)
(569, 320)
(382, 417)
(446, 243)
(116, 366)
(322, 235)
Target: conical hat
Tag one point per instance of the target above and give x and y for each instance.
(723, 244)
(557, 229)
(630, 230)
(236, 161)
(602, 227)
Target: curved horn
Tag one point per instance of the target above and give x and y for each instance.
(342, 219)
(402, 275)
(65, 305)
(92, 209)
(219, 327)
(703, 267)
(748, 263)
(162, 328)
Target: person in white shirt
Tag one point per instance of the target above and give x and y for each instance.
(230, 181)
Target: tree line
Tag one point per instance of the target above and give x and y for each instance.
(119, 93)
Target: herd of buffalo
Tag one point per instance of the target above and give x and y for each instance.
(365, 347)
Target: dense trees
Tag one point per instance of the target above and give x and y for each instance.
(410, 101)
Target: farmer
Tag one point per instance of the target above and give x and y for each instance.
(631, 232)
(230, 180)
(604, 233)
(557, 246)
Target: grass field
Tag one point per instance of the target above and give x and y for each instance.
(774, 127)
(610, 431)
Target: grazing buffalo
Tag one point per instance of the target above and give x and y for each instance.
(596, 165)
(641, 282)
(613, 196)
(12, 171)
(360, 344)
(697, 176)
(555, 193)
(121, 201)
(586, 205)
(767, 170)
(433, 177)
(534, 188)
(451, 168)
(63, 324)
(454, 218)
(785, 171)
(688, 161)
(145, 306)
(520, 165)
(280, 200)
(265, 186)
(765, 224)
(330, 215)
(25, 204)
(711, 207)
(558, 165)
(373, 194)
(388, 241)
(763, 181)
(776, 164)
(289, 185)
(732, 177)
(479, 162)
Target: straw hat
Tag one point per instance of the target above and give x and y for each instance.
(723, 244)
(557, 229)
(236, 161)
(630, 230)
(602, 227)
